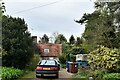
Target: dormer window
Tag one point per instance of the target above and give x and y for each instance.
(46, 50)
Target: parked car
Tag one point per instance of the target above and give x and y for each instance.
(58, 62)
(47, 67)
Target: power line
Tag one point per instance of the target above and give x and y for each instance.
(37, 7)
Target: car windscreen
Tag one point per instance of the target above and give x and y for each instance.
(47, 62)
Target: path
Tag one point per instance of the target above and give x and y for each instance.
(62, 74)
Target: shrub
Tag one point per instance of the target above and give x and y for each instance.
(81, 76)
(112, 76)
(84, 70)
(63, 65)
(62, 59)
(0, 72)
(104, 58)
(10, 73)
(33, 63)
(78, 50)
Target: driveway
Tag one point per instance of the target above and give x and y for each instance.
(62, 74)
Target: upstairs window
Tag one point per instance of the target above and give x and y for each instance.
(46, 50)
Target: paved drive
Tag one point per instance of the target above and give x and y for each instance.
(62, 74)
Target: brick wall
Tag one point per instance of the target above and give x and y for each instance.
(50, 50)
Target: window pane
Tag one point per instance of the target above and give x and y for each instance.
(47, 62)
(46, 50)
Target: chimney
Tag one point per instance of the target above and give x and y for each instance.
(34, 38)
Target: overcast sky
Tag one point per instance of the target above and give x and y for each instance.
(48, 16)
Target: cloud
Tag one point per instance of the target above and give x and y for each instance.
(45, 1)
(48, 19)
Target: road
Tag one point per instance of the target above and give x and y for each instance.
(62, 74)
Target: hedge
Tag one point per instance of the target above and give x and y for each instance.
(10, 73)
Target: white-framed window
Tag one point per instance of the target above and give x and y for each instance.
(46, 50)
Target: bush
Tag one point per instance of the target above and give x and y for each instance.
(33, 63)
(84, 70)
(112, 76)
(104, 58)
(63, 65)
(102, 75)
(0, 72)
(99, 74)
(78, 50)
(10, 73)
(62, 59)
(81, 76)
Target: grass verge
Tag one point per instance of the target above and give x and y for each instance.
(28, 74)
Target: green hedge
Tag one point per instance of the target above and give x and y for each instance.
(9, 73)
(0, 72)
(107, 76)
(81, 76)
(97, 75)
(33, 63)
(63, 65)
(112, 76)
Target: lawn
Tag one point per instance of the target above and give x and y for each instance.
(30, 74)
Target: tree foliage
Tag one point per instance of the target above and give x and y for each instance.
(102, 27)
(10, 73)
(2, 10)
(78, 50)
(16, 40)
(60, 39)
(79, 41)
(45, 38)
(72, 40)
(104, 58)
(62, 59)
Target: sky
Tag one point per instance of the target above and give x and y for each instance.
(49, 16)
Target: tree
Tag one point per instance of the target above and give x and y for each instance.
(78, 50)
(79, 41)
(2, 10)
(102, 26)
(45, 38)
(60, 39)
(17, 41)
(72, 40)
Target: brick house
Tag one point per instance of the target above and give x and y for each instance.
(50, 51)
